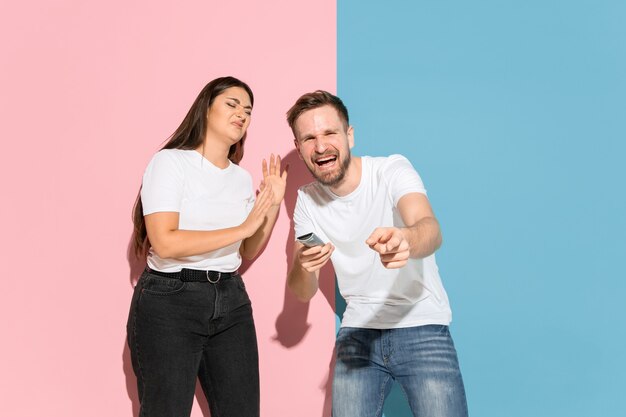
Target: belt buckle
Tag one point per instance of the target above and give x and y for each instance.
(219, 275)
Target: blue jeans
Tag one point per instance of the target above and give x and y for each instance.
(179, 332)
(421, 359)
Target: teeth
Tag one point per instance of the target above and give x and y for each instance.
(324, 160)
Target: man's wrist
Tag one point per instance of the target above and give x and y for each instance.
(406, 233)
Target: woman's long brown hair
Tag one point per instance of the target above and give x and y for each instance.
(190, 135)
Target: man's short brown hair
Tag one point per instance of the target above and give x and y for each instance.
(310, 101)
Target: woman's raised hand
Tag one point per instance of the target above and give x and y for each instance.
(256, 217)
(274, 178)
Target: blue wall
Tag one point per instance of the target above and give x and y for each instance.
(514, 113)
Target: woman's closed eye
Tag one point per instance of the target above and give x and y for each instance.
(234, 105)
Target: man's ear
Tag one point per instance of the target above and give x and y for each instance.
(297, 144)
(350, 136)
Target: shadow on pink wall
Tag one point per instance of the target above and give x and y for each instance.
(292, 322)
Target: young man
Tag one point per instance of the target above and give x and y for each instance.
(381, 235)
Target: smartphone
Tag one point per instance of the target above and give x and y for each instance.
(309, 240)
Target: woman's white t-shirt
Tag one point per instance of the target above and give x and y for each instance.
(206, 198)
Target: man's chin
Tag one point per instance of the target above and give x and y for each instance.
(330, 179)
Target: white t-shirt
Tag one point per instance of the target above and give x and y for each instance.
(376, 297)
(206, 198)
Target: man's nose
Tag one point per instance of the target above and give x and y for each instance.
(320, 145)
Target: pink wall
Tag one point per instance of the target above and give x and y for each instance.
(89, 92)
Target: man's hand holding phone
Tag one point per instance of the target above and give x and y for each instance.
(314, 254)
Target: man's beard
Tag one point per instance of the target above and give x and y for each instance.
(332, 179)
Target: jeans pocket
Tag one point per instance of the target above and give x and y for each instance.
(239, 280)
(240, 297)
(354, 346)
(162, 286)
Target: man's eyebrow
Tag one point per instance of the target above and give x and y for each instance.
(236, 100)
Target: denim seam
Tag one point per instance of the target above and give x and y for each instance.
(210, 397)
(143, 382)
(381, 401)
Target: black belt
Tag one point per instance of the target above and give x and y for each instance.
(194, 275)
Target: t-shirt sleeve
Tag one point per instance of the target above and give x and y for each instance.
(402, 178)
(163, 182)
(303, 223)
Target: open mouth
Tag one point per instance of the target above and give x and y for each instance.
(326, 160)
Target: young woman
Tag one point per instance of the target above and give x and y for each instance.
(196, 216)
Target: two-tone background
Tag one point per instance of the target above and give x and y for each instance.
(513, 112)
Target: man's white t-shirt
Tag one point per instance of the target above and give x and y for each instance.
(376, 297)
(206, 198)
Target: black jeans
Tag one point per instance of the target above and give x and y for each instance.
(179, 331)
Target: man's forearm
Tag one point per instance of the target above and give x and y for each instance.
(424, 237)
(304, 284)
